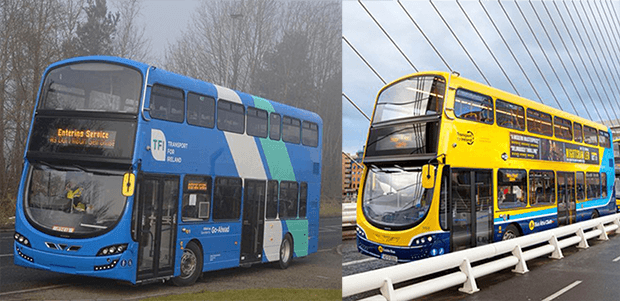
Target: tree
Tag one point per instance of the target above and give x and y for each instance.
(130, 41)
(96, 35)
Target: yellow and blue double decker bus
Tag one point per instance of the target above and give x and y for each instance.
(452, 164)
(138, 174)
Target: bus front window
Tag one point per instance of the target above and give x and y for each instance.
(394, 198)
(415, 96)
(73, 201)
(91, 86)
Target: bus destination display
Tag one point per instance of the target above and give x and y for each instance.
(105, 139)
(528, 147)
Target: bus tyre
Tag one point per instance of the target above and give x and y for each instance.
(286, 252)
(594, 214)
(191, 265)
(510, 233)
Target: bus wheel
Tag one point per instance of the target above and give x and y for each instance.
(510, 233)
(286, 252)
(191, 265)
(594, 214)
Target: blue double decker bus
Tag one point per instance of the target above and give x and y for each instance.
(138, 174)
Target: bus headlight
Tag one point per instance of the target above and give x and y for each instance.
(112, 250)
(22, 239)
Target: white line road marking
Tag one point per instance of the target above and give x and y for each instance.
(34, 289)
(562, 291)
(618, 258)
(323, 277)
(5, 255)
(357, 261)
(324, 250)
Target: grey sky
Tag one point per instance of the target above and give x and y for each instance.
(165, 20)
(599, 63)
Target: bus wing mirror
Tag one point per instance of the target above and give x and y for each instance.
(428, 176)
(129, 182)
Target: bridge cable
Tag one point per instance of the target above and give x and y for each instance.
(423, 34)
(585, 48)
(488, 48)
(364, 60)
(387, 35)
(530, 54)
(608, 61)
(580, 56)
(459, 41)
(355, 105)
(511, 52)
(585, 87)
(549, 61)
(615, 49)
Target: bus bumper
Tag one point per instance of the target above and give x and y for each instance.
(437, 245)
(120, 266)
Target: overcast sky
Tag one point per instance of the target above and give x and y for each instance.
(594, 70)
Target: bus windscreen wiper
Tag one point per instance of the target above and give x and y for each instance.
(97, 171)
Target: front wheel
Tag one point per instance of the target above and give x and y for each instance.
(510, 233)
(286, 252)
(191, 265)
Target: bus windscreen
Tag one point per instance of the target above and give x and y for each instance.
(92, 86)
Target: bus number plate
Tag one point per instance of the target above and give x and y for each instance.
(389, 257)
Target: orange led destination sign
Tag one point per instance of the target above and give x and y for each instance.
(197, 186)
(105, 139)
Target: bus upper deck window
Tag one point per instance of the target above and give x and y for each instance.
(291, 129)
(510, 115)
(563, 128)
(310, 134)
(603, 138)
(473, 106)
(167, 103)
(539, 122)
(578, 131)
(200, 110)
(590, 135)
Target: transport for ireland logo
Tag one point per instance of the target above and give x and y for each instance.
(158, 145)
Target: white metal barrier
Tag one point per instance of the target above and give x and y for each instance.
(558, 238)
(348, 214)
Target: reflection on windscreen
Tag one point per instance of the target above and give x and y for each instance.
(92, 87)
(394, 197)
(416, 96)
(74, 201)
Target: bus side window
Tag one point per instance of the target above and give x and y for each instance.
(539, 122)
(594, 185)
(288, 199)
(230, 116)
(563, 128)
(511, 188)
(303, 199)
(196, 204)
(603, 138)
(310, 134)
(590, 135)
(274, 126)
(167, 103)
(227, 198)
(578, 130)
(257, 122)
(509, 115)
(473, 106)
(272, 200)
(542, 187)
(291, 130)
(581, 186)
(200, 110)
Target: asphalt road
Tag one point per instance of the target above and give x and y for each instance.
(583, 274)
(319, 270)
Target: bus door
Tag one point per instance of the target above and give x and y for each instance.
(253, 221)
(471, 205)
(157, 207)
(566, 198)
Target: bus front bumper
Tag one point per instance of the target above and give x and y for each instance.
(119, 266)
(438, 245)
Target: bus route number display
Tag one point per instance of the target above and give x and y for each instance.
(528, 147)
(66, 137)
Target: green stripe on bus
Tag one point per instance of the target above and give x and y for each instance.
(299, 230)
(275, 152)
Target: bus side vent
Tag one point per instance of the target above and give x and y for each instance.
(316, 168)
(51, 245)
(74, 248)
(611, 162)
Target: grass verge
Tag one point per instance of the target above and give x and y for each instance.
(259, 294)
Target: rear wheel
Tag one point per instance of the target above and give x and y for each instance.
(510, 232)
(191, 265)
(286, 252)
(594, 214)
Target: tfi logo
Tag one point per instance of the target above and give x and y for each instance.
(158, 145)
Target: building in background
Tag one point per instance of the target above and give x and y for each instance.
(352, 170)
